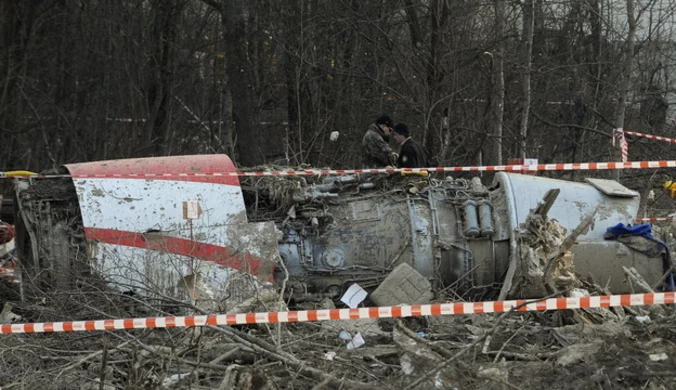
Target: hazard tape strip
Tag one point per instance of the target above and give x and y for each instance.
(654, 219)
(507, 168)
(345, 314)
(649, 136)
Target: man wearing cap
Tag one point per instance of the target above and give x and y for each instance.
(411, 155)
(376, 150)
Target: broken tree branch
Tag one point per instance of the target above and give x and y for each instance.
(567, 244)
(540, 211)
(635, 277)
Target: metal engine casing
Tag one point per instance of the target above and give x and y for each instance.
(456, 232)
(441, 230)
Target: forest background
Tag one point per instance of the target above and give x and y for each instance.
(478, 81)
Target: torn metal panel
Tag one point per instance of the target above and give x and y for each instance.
(575, 201)
(152, 234)
(611, 187)
(139, 205)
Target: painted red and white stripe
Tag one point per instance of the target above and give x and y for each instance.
(654, 219)
(345, 314)
(649, 136)
(166, 175)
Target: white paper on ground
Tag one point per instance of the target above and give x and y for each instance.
(356, 342)
(354, 296)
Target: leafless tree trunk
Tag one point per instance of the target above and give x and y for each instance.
(237, 16)
(498, 92)
(527, 48)
(297, 92)
(625, 82)
(432, 68)
(159, 95)
(241, 79)
(435, 76)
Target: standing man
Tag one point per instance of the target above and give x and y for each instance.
(376, 150)
(411, 155)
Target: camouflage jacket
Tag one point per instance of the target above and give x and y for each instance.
(376, 150)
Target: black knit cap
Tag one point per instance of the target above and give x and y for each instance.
(401, 128)
(385, 120)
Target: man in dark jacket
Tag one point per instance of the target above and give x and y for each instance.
(376, 150)
(411, 155)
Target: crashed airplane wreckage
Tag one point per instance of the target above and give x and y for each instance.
(204, 236)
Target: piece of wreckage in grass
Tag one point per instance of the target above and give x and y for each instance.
(202, 235)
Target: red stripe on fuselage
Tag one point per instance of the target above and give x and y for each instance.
(220, 255)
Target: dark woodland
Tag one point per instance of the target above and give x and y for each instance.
(264, 81)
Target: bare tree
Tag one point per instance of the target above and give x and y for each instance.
(239, 17)
(626, 76)
(160, 89)
(528, 9)
(498, 93)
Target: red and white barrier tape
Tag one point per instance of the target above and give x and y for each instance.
(654, 219)
(496, 168)
(624, 147)
(345, 314)
(649, 136)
